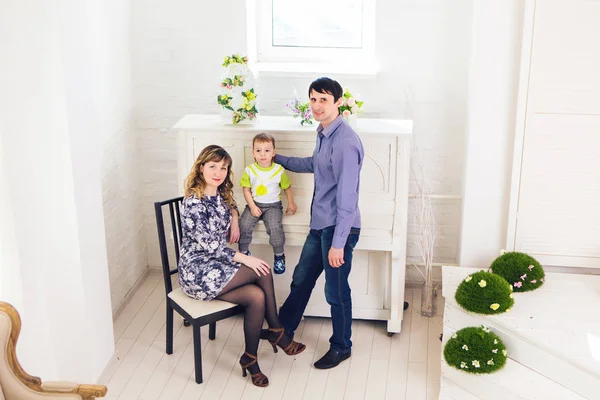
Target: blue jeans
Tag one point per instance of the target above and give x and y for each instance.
(313, 260)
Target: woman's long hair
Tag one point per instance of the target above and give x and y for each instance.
(195, 183)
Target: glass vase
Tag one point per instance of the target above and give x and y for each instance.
(429, 299)
(352, 120)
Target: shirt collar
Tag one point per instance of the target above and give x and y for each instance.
(331, 127)
(257, 165)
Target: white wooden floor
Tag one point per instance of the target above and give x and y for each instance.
(405, 366)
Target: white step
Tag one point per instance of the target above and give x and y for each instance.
(449, 390)
(513, 382)
(553, 332)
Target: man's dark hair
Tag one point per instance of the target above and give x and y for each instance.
(327, 85)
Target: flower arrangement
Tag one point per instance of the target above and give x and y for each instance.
(238, 97)
(475, 350)
(485, 293)
(300, 110)
(523, 272)
(234, 59)
(350, 104)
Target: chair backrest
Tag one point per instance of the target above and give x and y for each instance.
(176, 235)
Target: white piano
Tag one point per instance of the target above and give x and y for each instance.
(379, 264)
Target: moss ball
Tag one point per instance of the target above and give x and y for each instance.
(523, 272)
(484, 293)
(475, 350)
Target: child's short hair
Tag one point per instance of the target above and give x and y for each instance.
(263, 138)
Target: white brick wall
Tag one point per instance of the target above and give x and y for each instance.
(423, 48)
(121, 191)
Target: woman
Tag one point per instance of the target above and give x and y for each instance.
(208, 269)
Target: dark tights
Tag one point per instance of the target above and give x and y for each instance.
(257, 295)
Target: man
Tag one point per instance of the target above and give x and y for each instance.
(335, 220)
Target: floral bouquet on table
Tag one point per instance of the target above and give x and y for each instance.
(238, 95)
(351, 105)
(300, 110)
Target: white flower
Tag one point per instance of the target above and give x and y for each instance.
(214, 274)
(495, 351)
(454, 336)
(485, 328)
(495, 341)
(475, 363)
(346, 113)
(468, 279)
(502, 251)
(482, 283)
(465, 347)
(490, 362)
(464, 365)
(351, 102)
(512, 295)
(504, 353)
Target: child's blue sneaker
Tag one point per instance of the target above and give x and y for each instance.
(279, 264)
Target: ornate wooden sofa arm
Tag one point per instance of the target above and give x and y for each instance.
(17, 383)
(87, 392)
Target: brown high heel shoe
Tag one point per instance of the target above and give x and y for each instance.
(258, 379)
(291, 349)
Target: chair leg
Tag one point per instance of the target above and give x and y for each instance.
(197, 354)
(212, 331)
(169, 328)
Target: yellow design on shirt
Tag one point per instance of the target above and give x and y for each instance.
(261, 190)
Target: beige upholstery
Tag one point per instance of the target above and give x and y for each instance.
(16, 384)
(198, 308)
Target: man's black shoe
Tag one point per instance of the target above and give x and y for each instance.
(405, 305)
(332, 358)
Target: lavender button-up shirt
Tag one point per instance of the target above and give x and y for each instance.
(336, 163)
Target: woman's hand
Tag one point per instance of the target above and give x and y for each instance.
(234, 231)
(259, 266)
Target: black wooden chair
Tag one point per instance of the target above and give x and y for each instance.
(196, 313)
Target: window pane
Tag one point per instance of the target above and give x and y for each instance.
(317, 23)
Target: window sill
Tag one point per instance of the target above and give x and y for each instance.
(312, 70)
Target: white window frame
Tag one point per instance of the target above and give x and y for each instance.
(295, 61)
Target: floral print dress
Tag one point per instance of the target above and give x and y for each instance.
(205, 265)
